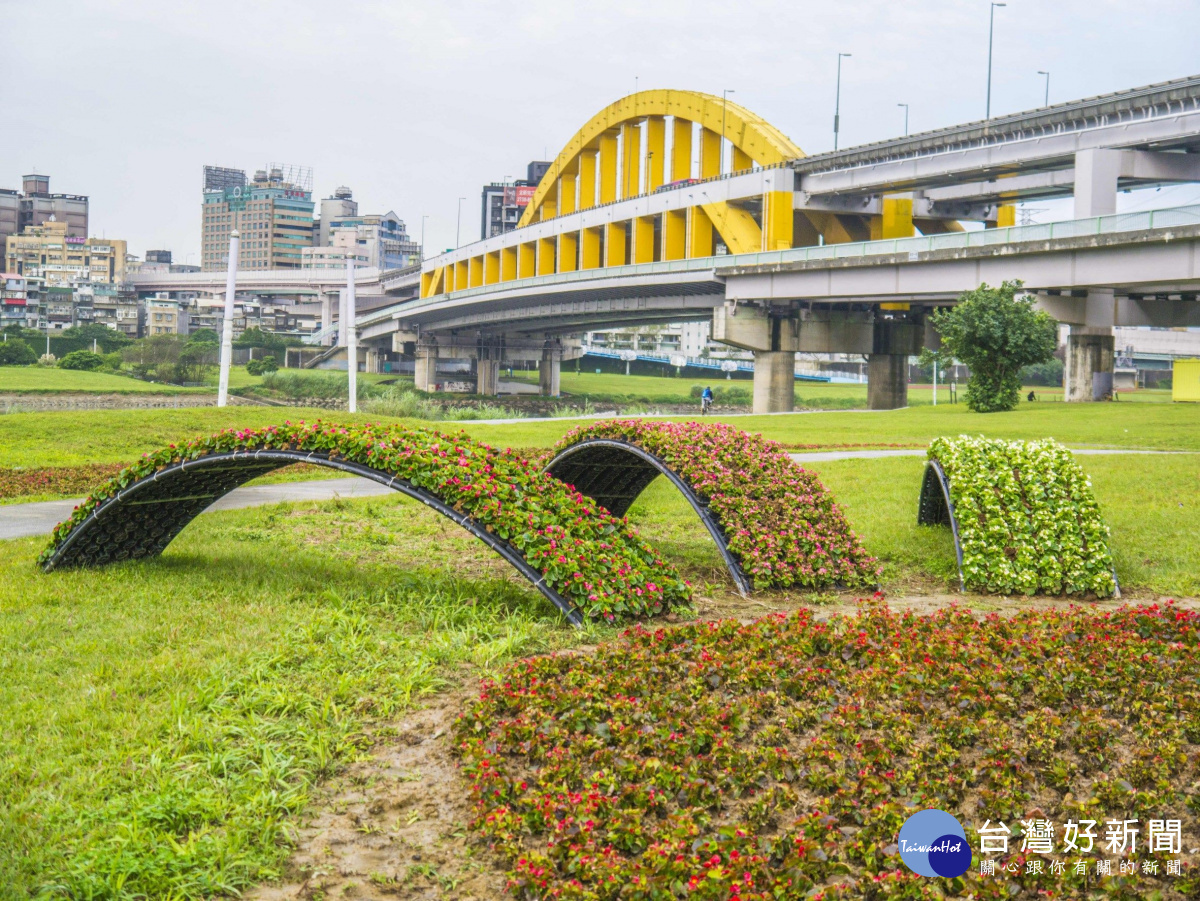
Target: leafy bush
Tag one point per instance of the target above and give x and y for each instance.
(595, 561)
(778, 760)
(294, 384)
(1049, 373)
(16, 353)
(1027, 518)
(778, 519)
(262, 366)
(108, 340)
(996, 334)
(83, 360)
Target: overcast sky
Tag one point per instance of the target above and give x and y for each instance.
(414, 104)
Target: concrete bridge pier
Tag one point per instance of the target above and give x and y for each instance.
(550, 369)
(487, 376)
(425, 373)
(1088, 371)
(774, 381)
(327, 316)
(893, 341)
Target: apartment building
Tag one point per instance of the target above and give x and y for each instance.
(35, 205)
(51, 252)
(273, 213)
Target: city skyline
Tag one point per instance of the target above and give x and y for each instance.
(427, 127)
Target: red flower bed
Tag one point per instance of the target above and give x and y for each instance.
(594, 560)
(779, 759)
(778, 519)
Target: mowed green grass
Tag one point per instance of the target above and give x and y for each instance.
(35, 379)
(106, 436)
(165, 721)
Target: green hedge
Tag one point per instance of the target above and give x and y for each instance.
(1027, 517)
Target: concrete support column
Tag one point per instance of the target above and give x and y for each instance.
(887, 381)
(373, 357)
(327, 316)
(774, 381)
(487, 376)
(425, 374)
(1096, 174)
(1088, 372)
(342, 318)
(550, 370)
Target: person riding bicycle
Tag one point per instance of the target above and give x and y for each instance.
(706, 399)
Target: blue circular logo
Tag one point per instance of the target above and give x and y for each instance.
(933, 843)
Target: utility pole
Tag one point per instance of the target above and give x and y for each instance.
(991, 32)
(905, 105)
(837, 102)
(1046, 102)
(352, 330)
(227, 324)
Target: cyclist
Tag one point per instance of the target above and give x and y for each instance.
(706, 399)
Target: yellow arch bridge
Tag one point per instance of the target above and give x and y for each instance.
(708, 172)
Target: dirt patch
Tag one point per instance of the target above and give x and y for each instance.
(394, 826)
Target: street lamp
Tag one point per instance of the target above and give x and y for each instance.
(458, 228)
(905, 105)
(837, 102)
(423, 218)
(724, 103)
(991, 31)
(1047, 74)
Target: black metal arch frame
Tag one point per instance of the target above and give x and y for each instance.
(936, 508)
(613, 473)
(143, 518)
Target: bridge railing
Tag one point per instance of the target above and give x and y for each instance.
(1171, 217)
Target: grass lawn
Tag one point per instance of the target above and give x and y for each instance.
(38, 379)
(168, 720)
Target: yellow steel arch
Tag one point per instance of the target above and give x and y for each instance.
(753, 138)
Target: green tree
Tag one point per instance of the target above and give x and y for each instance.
(16, 353)
(204, 336)
(107, 339)
(257, 337)
(996, 333)
(81, 359)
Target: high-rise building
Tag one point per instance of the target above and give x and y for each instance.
(340, 205)
(273, 213)
(503, 202)
(50, 252)
(35, 205)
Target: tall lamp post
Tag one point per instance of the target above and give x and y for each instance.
(424, 216)
(227, 323)
(352, 329)
(1046, 102)
(837, 101)
(991, 32)
(905, 105)
(458, 226)
(724, 104)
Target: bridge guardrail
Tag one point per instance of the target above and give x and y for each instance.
(1014, 234)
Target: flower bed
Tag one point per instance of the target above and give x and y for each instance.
(55, 479)
(778, 519)
(592, 559)
(1027, 518)
(779, 759)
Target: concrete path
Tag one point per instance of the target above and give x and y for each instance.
(23, 520)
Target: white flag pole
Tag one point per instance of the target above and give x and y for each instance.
(227, 325)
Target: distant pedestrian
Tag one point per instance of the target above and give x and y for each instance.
(706, 399)
(1032, 397)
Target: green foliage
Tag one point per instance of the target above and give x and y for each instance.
(171, 358)
(81, 359)
(722, 394)
(204, 336)
(262, 366)
(1049, 373)
(779, 759)
(257, 337)
(14, 352)
(778, 519)
(597, 562)
(107, 339)
(995, 334)
(1028, 520)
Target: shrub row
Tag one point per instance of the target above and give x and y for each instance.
(779, 759)
(777, 517)
(597, 562)
(1027, 517)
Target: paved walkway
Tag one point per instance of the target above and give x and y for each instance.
(23, 520)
